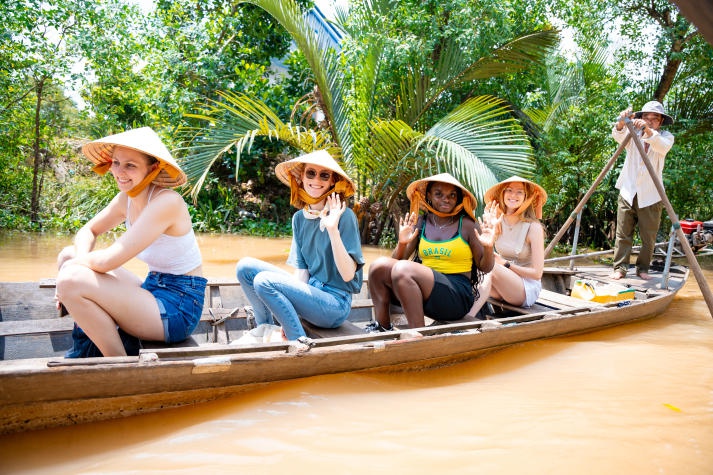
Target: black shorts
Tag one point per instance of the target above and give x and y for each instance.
(451, 298)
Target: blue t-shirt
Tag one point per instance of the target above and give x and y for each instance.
(312, 250)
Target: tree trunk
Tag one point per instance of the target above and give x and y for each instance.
(36, 187)
(669, 71)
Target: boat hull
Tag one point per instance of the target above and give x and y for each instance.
(49, 392)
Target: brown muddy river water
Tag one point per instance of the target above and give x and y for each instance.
(636, 399)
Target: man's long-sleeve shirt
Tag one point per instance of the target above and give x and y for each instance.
(634, 178)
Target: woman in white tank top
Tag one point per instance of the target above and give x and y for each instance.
(112, 308)
(514, 207)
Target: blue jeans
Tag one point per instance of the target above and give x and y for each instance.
(274, 292)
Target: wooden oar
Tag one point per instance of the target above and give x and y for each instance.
(705, 290)
(586, 197)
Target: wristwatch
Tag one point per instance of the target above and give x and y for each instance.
(507, 264)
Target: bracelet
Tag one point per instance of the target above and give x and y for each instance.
(507, 264)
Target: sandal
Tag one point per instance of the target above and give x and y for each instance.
(375, 327)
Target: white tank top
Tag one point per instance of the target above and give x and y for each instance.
(170, 254)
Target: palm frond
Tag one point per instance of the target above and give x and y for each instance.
(419, 91)
(566, 85)
(391, 167)
(354, 78)
(234, 124)
(361, 106)
(413, 95)
(514, 56)
(479, 143)
(392, 140)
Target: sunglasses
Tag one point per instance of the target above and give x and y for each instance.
(324, 176)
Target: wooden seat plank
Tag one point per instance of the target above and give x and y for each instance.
(31, 327)
(50, 325)
(345, 329)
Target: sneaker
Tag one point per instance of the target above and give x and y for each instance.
(301, 345)
(374, 327)
(264, 333)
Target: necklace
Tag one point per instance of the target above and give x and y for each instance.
(433, 220)
(510, 226)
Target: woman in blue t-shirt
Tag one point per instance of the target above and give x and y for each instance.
(325, 252)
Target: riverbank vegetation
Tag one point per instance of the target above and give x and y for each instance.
(396, 89)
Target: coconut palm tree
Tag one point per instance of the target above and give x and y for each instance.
(478, 140)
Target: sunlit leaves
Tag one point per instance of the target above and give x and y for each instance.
(234, 123)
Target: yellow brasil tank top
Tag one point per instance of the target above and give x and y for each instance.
(448, 257)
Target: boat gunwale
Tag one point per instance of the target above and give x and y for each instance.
(225, 369)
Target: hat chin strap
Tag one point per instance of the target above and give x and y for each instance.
(104, 167)
(298, 193)
(101, 168)
(134, 192)
(417, 200)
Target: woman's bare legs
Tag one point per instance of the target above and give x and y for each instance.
(507, 286)
(411, 283)
(99, 302)
(380, 289)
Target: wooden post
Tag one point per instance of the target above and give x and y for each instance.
(586, 197)
(705, 290)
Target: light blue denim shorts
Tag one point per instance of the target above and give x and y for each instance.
(180, 301)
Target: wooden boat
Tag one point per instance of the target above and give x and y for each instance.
(40, 389)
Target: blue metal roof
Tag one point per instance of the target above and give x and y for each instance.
(324, 28)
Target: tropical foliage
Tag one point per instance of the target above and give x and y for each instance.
(414, 87)
(655, 54)
(382, 145)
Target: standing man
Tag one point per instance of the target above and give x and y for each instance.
(639, 200)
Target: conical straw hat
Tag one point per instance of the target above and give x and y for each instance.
(320, 158)
(538, 202)
(144, 140)
(422, 184)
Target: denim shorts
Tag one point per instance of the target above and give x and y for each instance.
(180, 301)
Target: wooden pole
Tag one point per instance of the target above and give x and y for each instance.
(705, 290)
(586, 197)
(595, 254)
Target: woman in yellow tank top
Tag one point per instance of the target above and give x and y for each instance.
(514, 208)
(452, 250)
